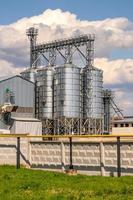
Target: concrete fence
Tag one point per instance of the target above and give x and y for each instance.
(106, 157)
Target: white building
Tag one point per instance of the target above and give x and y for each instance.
(123, 126)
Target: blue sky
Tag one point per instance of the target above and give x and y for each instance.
(12, 10)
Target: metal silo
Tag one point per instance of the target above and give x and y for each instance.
(67, 97)
(44, 97)
(107, 96)
(92, 98)
(29, 74)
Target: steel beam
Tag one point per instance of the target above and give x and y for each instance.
(63, 44)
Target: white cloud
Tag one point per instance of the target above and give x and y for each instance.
(116, 71)
(53, 24)
(110, 33)
(7, 68)
(123, 99)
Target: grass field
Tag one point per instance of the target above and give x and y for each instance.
(26, 184)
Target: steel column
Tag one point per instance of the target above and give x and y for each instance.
(71, 159)
(18, 153)
(118, 157)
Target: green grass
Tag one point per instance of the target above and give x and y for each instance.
(26, 184)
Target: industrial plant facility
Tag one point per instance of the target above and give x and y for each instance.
(67, 98)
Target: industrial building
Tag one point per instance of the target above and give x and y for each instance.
(17, 98)
(123, 126)
(18, 91)
(67, 98)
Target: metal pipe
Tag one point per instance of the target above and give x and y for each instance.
(18, 153)
(71, 159)
(118, 158)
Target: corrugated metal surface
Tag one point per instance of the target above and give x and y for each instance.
(107, 95)
(45, 92)
(23, 91)
(67, 92)
(93, 86)
(29, 74)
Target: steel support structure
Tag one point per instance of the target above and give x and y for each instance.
(32, 34)
(107, 96)
(47, 126)
(59, 46)
(92, 126)
(68, 126)
(66, 49)
(89, 53)
(110, 106)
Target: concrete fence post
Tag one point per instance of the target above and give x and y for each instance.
(62, 156)
(102, 159)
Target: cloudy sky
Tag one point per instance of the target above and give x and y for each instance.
(111, 21)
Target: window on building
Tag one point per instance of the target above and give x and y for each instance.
(126, 125)
(115, 125)
(121, 125)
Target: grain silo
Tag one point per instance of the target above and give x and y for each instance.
(67, 98)
(44, 97)
(29, 74)
(92, 100)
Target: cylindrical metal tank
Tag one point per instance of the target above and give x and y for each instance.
(44, 96)
(107, 96)
(29, 74)
(67, 91)
(92, 95)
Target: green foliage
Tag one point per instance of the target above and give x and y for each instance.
(27, 184)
